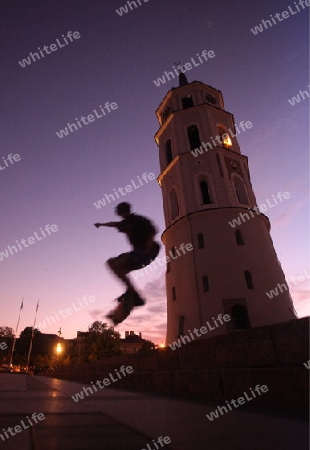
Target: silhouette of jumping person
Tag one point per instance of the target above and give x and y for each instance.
(140, 232)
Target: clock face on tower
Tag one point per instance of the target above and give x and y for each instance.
(211, 99)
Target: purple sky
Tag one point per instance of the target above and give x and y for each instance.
(116, 59)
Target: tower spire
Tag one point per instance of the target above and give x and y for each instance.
(182, 77)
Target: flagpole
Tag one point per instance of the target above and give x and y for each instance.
(15, 334)
(32, 334)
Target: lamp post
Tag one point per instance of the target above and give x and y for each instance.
(58, 351)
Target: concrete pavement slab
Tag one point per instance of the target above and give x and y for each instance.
(117, 419)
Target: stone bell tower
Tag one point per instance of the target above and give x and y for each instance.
(206, 184)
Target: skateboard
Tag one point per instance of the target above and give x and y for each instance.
(126, 303)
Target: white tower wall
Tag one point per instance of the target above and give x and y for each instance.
(225, 273)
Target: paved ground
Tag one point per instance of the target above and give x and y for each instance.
(115, 420)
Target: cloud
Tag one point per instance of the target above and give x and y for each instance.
(288, 214)
(155, 289)
(161, 326)
(161, 308)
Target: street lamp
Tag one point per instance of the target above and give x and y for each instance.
(58, 348)
(58, 352)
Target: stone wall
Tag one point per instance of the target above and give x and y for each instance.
(219, 368)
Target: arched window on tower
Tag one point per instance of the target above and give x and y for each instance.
(225, 138)
(205, 194)
(187, 102)
(174, 293)
(239, 237)
(168, 152)
(200, 240)
(181, 326)
(240, 190)
(240, 317)
(193, 137)
(174, 204)
(168, 268)
(205, 283)
(248, 279)
(165, 114)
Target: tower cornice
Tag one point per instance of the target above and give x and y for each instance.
(167, 169)
(179, 89)
(164, 126)
(216, 210)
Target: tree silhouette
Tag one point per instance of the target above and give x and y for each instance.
(102, 341)
(147, 347)
(6, 332)
(23, 343)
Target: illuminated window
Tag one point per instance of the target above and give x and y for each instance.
(225, 138)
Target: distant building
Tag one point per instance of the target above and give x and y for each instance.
(77, 347)
(47, 344)
(5, 349)
(132, 342)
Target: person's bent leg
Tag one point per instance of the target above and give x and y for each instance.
(120, 266)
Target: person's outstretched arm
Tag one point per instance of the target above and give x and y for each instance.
(106, 224)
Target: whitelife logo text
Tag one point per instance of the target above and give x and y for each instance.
(73, 127)
(203, 330)
(187, 66)
(236, 403)
(281, 196)
(106, 382)
(110, 197)
(9, 159)
(280, 17)
(52, 47)
(49, 229)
